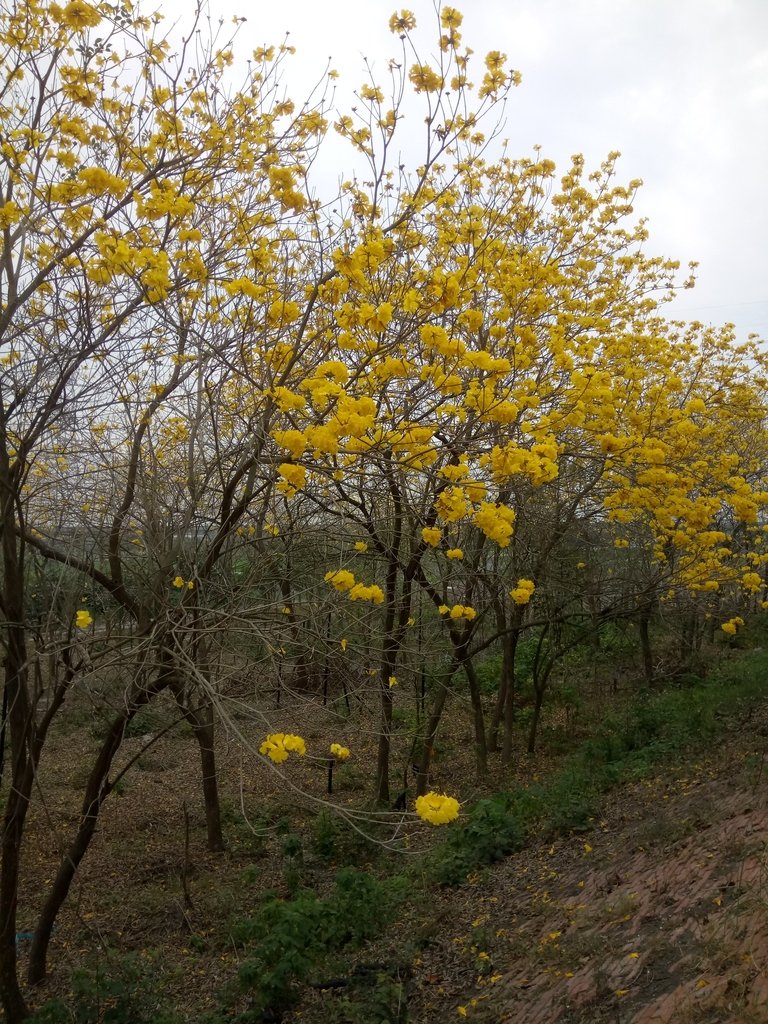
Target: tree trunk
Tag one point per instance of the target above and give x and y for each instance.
(688, 640)
(534, 726)
(382, 759)
(389, 652)
(21, 728)
(645, 643)
(492, 740)
(506, 688)
(509, 718)
(13, 829)
(203, 725)
(481, 754)
(430, 729)
(97, 790)
(202, 721)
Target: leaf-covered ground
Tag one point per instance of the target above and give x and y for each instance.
(657, 912)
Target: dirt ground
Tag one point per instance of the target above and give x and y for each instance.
(658, 914)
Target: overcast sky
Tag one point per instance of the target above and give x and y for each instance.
(679, 87)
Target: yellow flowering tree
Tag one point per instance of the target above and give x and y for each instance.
(261, 415)
(137, 196)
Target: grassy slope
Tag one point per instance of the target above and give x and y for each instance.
(523, 904)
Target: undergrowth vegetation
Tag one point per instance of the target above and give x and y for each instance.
(311, 942)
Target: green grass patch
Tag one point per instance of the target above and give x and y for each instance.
(287, 940)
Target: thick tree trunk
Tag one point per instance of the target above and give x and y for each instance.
(492, 739)
(506, 689)
(389, 653)
(508, 743)
(21, 727)
(13, 829)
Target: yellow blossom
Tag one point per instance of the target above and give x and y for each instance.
(402, 22)
(77, 15)
(450, 17)
(278, 745)
(752, 582)
(361, 592)
(523, 592)
(460, 611)
(432, 535)
(341, 579)
(436, 808)
(732, 624)
(495, 521)
(293, 478)
(424, 78)
(451, 504)
(339, 752)
(83, 619)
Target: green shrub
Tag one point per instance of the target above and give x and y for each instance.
(325, 836)
(120, 993)
(371, 997)
(287, 939)
(488, 673)
(490, 831)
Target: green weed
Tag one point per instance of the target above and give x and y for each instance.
(287, 939)
(123, 992)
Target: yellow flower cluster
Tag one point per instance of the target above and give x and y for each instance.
(451, 504)
(731, 625)
(539, 463)
(436, 808)
(432, 535)
(339, 752)
(344, 581)
(402, 22)
(179, 582)
(371, 592)
(424, 78)
(83, 619)
(341, 579)
(77, 15)
(523, 592)
(495, 521)
(278, 745)
(293, 478)
(752, 581)
(458, 611)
